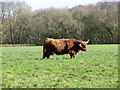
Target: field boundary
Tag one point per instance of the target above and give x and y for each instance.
(15, 45)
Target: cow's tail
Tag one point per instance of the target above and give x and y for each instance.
(44, 49)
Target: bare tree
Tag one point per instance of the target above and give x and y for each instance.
(10, 12)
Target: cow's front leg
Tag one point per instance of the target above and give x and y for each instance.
(72, 55)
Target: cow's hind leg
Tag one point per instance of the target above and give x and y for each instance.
(48, 56)
(44, 52)
(44, 55)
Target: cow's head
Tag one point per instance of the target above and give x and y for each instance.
(81, 44)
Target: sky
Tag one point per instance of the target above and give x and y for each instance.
(44, 4)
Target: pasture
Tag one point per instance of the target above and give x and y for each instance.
(22, 67)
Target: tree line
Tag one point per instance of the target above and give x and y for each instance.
(21, 25)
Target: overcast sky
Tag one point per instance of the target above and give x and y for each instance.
(43, 4)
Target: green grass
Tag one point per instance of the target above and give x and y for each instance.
(0, 68)
(24, 68)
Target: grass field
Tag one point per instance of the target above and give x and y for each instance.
(22, 67)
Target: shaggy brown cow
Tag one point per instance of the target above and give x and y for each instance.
(63, 46)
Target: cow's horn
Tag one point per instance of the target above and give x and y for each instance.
(87, 41)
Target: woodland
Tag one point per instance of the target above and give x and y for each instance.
(96, 22)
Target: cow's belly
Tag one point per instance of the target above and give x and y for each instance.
(58, 52)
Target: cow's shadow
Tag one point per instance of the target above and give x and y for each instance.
(52, 58)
